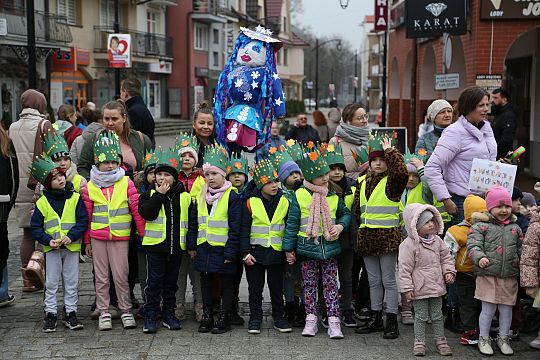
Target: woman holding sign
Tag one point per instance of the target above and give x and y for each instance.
(470, 137)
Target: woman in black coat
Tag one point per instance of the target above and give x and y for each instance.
(9, 183)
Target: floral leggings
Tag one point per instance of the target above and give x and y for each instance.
(310, 273)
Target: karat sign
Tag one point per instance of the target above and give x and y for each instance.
(432, 18)
(510, 9)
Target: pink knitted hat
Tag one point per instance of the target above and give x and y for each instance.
(496, 196)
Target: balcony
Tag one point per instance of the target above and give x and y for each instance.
(208, 11)
(142, 43)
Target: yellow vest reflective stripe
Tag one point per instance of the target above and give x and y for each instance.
(59, 227)
(415, 197)
(113, 213)
(77, 183)
(378, 211)
(155, 231)
(304, 201)
(197, 187)
(263, 231)
(214, 229)
(349, 199)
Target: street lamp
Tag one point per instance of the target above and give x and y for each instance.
(317, 46)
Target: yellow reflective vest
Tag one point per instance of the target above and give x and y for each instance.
(58, 227)
(378, 211)
(304, 200)
(114, 212)
(349, 199)
(415, 197)
(263, 231)
(76, 181)
(214, 228)
(155, 231)
(197, 187)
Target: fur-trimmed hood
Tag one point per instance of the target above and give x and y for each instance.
(412, 212)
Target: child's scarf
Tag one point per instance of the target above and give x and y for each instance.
(104, 179)
(213, 195)
(318, 207)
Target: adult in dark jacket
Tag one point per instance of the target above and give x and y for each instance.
(9, 184)
(505, 122)
(140, 117)
(301, 131)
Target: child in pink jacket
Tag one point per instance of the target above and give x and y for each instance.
(112, 201)
(425, 265)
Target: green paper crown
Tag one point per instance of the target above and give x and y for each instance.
(407, 157)
(41, 167)
(279, 157)
(168, 157)
(334, 155)
(263, 172)
(216, 155)
(150, 158)
(375, 141)
(54, 144)
(238, 164)
(185, 139)
(295, 150)
(360, 154)
(313, 164)
(107, 147)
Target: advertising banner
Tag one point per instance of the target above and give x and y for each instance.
(119, 50)
(432, 18)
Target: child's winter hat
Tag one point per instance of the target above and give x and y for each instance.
(283, 162)
(107, 147)
(497, 196)
(54, 145)
(334, 155)
(216, 159)
(472, 204)
(313, 164)
(43, 169)
(528, 199)
(238, 164)
(375, 148)
(407, 159)
(517, 194)
(186, 142)
(424, 217)
(166, 160)
(263, 172)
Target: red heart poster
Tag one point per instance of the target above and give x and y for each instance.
(119, 50)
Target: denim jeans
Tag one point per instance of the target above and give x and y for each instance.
(4, 285)
(459, 217)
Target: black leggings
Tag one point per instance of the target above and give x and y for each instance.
(226, 282)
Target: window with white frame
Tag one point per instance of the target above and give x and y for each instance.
(152, 22)
(201, 37)
(67, 8)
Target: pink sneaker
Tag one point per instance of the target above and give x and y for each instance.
(334, 328)
(311, 325)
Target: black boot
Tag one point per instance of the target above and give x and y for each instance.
(290, 311)
(207, 322)
(391, 330)
(375, 324)
(223, 324)
(234, 317)
(453, 321)
(300, 318)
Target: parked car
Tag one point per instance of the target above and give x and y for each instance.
(309, 103)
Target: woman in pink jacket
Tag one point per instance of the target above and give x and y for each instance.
(112, 201)
(470, 137)
(425, 265)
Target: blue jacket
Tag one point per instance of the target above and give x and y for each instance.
(307, 247)
(211, 259)
(57, 199)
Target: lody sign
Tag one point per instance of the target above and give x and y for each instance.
(515, 9)
(431, 18)
(489, 82)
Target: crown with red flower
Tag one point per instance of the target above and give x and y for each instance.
(167, 158)
(375, 140)
(184, 140)
(263, 172)
(238, 164)
(313, 164)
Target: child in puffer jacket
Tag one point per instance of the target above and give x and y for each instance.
(425, 266)
(494, 247)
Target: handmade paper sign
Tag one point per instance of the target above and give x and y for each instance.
(486, 174)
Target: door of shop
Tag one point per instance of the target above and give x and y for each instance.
(154, 98)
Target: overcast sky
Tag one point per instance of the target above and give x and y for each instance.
(327, 18)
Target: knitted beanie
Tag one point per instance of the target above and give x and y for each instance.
(517, 194)
(287, 169)
(436, 108)
(424, 217)
(372, 155)
(191, 151)
(528, 199)
(496, 196)
(50, 177)
(411, 168)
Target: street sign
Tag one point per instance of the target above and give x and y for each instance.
(309, 84)
(489, 82)
(446, 81)
(381, 15)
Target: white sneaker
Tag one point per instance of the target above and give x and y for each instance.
(128, 321)
(535, 344)
(334, 328)
(484, 345)
(407, 317)
(503, 342)
(105, 322)
(310, 329)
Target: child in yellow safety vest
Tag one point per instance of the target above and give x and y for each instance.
(58, 223)
(216, 249)
(166, 209)
(316, 219)
(111, 200)
(264, 215)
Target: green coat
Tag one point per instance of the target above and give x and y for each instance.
(501, 244)
(86, 160)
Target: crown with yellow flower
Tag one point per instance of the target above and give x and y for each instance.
(313, 164)
(263, 172)
(54, 145)
(375, 140)
(150, 159)
(42, 167)
(295, 149)
(279, 157)
(184, 140)
(107, 147)
(238, 164)
(216, 155)
(333, 154)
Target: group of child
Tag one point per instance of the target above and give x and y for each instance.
(295, 221)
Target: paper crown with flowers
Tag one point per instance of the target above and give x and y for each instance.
(360, 154)
(375, 140)
(263, 172)
(279, 157)
(54, 145)
(185, 139)
(238, 164)
(418, 155)
(107, 147)
(333, 154)
(295, 149)
(167, 157)
(313, 164)
(41, 167)
(150, 159)
(216, 155)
